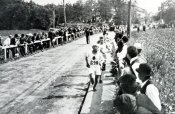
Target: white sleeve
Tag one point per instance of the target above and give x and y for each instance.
(153, 94)
(101, 58)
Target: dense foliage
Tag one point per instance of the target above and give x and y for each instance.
(166, 12)
(17, 14)
(159, 49)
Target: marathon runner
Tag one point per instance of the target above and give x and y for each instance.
(94, 61)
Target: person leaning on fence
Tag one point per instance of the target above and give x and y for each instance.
(13, 42)
(133, 61)
(21, 44)
(147, 86)
(132, 102)
(51, 35)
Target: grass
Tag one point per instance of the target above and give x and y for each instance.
(159, 49)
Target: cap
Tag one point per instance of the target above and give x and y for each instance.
(10, 36)
(132, 51)
(30, 34)
(138, 45)
(145, 69)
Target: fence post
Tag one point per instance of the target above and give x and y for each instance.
(57, 40)
(26, 48)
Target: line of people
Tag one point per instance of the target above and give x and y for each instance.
(20, 40)
(38, 41)
(137, 94)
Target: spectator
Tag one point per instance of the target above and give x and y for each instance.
(147, 87)
(138, 29)
(0, 41)
(133, 62)
(33, 37)
(30, 44)
(51, 35)
(130, 102)
(21, 45)
(13, 42)
(7, 41)
(144, 28)
(87, 33)
(139, 50)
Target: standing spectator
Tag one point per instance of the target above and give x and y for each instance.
(104, 31)
(133, 62)
(40, 44)
(138, 29)
(147, 87)
(0, 41)
(29, 41)
(7, 41)
(21, 45)
(13, 42)
(87, 33)
(33, 38)
(144, 28)
(51, 35)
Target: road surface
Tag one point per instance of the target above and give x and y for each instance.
(49, 82)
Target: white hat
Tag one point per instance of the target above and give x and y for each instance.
(30, 34)
(138, 45)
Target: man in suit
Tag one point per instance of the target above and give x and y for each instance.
(132, 102)
(87, 33)
(147, 86)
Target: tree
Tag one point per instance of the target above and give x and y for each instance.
(166, 12)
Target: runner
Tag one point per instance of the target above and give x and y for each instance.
(94, 61)
(103, 50)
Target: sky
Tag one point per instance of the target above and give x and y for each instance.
(149, 5)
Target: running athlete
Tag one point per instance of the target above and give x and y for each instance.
(103, 50)
(94, 60)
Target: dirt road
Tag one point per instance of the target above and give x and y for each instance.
(50, 82)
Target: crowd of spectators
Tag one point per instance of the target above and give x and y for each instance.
(137, 94)
(39, 41)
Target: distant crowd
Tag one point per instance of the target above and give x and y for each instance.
(137, 93)
(38, 41)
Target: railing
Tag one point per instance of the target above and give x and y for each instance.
(57, 40)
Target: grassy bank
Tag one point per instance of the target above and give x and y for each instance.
(159, 49)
